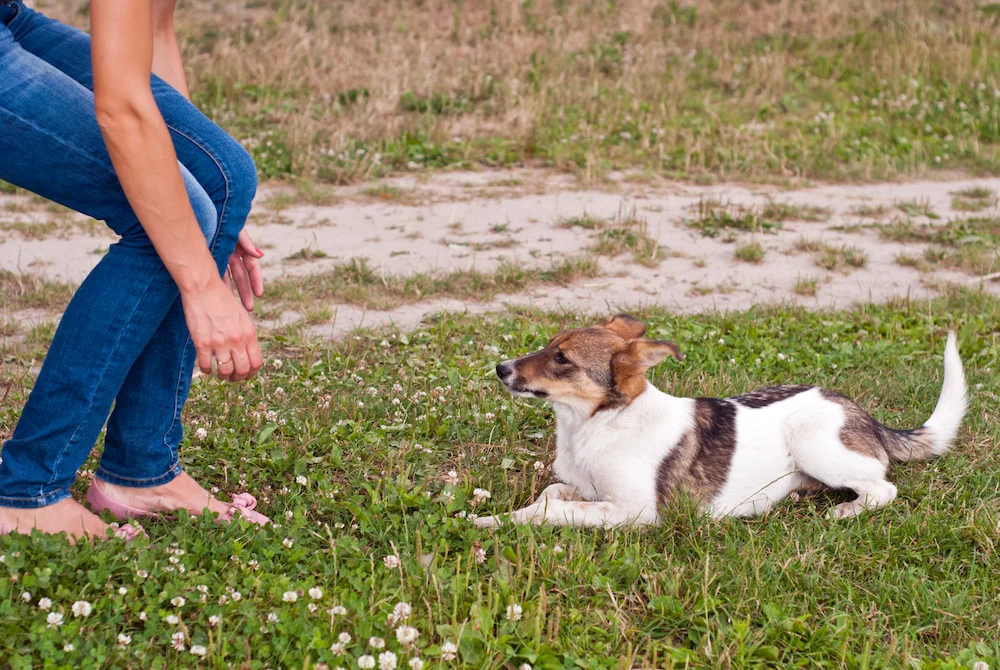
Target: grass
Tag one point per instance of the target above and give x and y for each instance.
(806, 286)
(968, 244)
(713, 216)
(349, 447)
(628, 233)
(859, 90)
(31, 291)
(917, 208)
(974, 199)
(585, 221)
(357, 283)
(752, 252)
(307, 254)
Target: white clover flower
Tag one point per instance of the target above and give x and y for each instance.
(172, 619)
(142, 574)
(68, 648)
(479, 554)
(416, 664)
(557, 549)
(315, 593)
(198, 650)
(177, 602)
(337, 648)
(539, 466)
(366, 662)
(122, 590)
(387, 661)
(214, 620)
(26, 596)
(391, 561)
(376, 643)
(177, 641)
(54, 619)
(277, 363)
(407, 635)
(401, 612)
(82, 608)
(451, 478)
(480, 496)
(142, 616)
(124, 640)
(448, 651)
(288, 542)
(301, 480)
(45, 604)
(514, 612)
(272, 617)
(201, 433)
(338, 610)
(525, 666)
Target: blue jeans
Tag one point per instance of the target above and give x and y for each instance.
(123, 340)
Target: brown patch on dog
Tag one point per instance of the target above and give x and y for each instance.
(699, 463)
(865, 435)
(627, 327)
(769, 396)
(628, 369)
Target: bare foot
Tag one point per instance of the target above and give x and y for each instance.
(182, 492)
(67, 516)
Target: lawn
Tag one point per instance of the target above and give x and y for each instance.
(343, 91)
(368, 454)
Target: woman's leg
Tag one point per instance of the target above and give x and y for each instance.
(51, 145)
(144, 433)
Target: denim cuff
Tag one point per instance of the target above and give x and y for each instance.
(119, 480)
(35, 503)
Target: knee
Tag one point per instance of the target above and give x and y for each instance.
(240, 174)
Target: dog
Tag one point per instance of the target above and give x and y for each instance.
(624, 448)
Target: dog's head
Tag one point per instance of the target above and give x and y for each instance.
(589, 369)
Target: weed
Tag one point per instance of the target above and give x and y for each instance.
(751, 252)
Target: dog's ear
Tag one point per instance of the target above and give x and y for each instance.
(642, 354)
(625, 326)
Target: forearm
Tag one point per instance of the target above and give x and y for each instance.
(143, 156)
(167, 64)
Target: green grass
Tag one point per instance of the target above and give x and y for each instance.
(806, 286)
(858, 90)
(357, 283)
(968, 244)
(348, 447)
(713, 216)
(752, 252)
(629, 233)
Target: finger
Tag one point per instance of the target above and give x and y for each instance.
(241, 363)
(205, 360)
(247, 246)
(252, 266)
(239, 274)
(229, 275)
(256, 357)
(224, 369)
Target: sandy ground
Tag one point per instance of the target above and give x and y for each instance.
(461, 221)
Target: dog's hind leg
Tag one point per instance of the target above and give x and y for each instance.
(823, 457)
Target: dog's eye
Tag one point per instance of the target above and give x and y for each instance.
(561, 359)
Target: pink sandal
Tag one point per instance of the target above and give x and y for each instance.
(100, 501)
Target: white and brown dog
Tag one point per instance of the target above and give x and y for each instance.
(624, 448)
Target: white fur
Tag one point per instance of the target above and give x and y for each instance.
(608, 462)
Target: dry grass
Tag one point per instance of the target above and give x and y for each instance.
(853, 89)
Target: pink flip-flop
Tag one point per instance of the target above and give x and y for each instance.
(100, 501)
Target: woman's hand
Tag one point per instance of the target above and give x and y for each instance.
(244, 270)
(222, 329)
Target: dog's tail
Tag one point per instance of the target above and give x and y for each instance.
(934, 438)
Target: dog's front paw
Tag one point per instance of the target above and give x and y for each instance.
(486, 521)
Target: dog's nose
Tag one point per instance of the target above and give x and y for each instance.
(503, 370)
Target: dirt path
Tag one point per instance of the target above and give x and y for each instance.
(465, 221)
